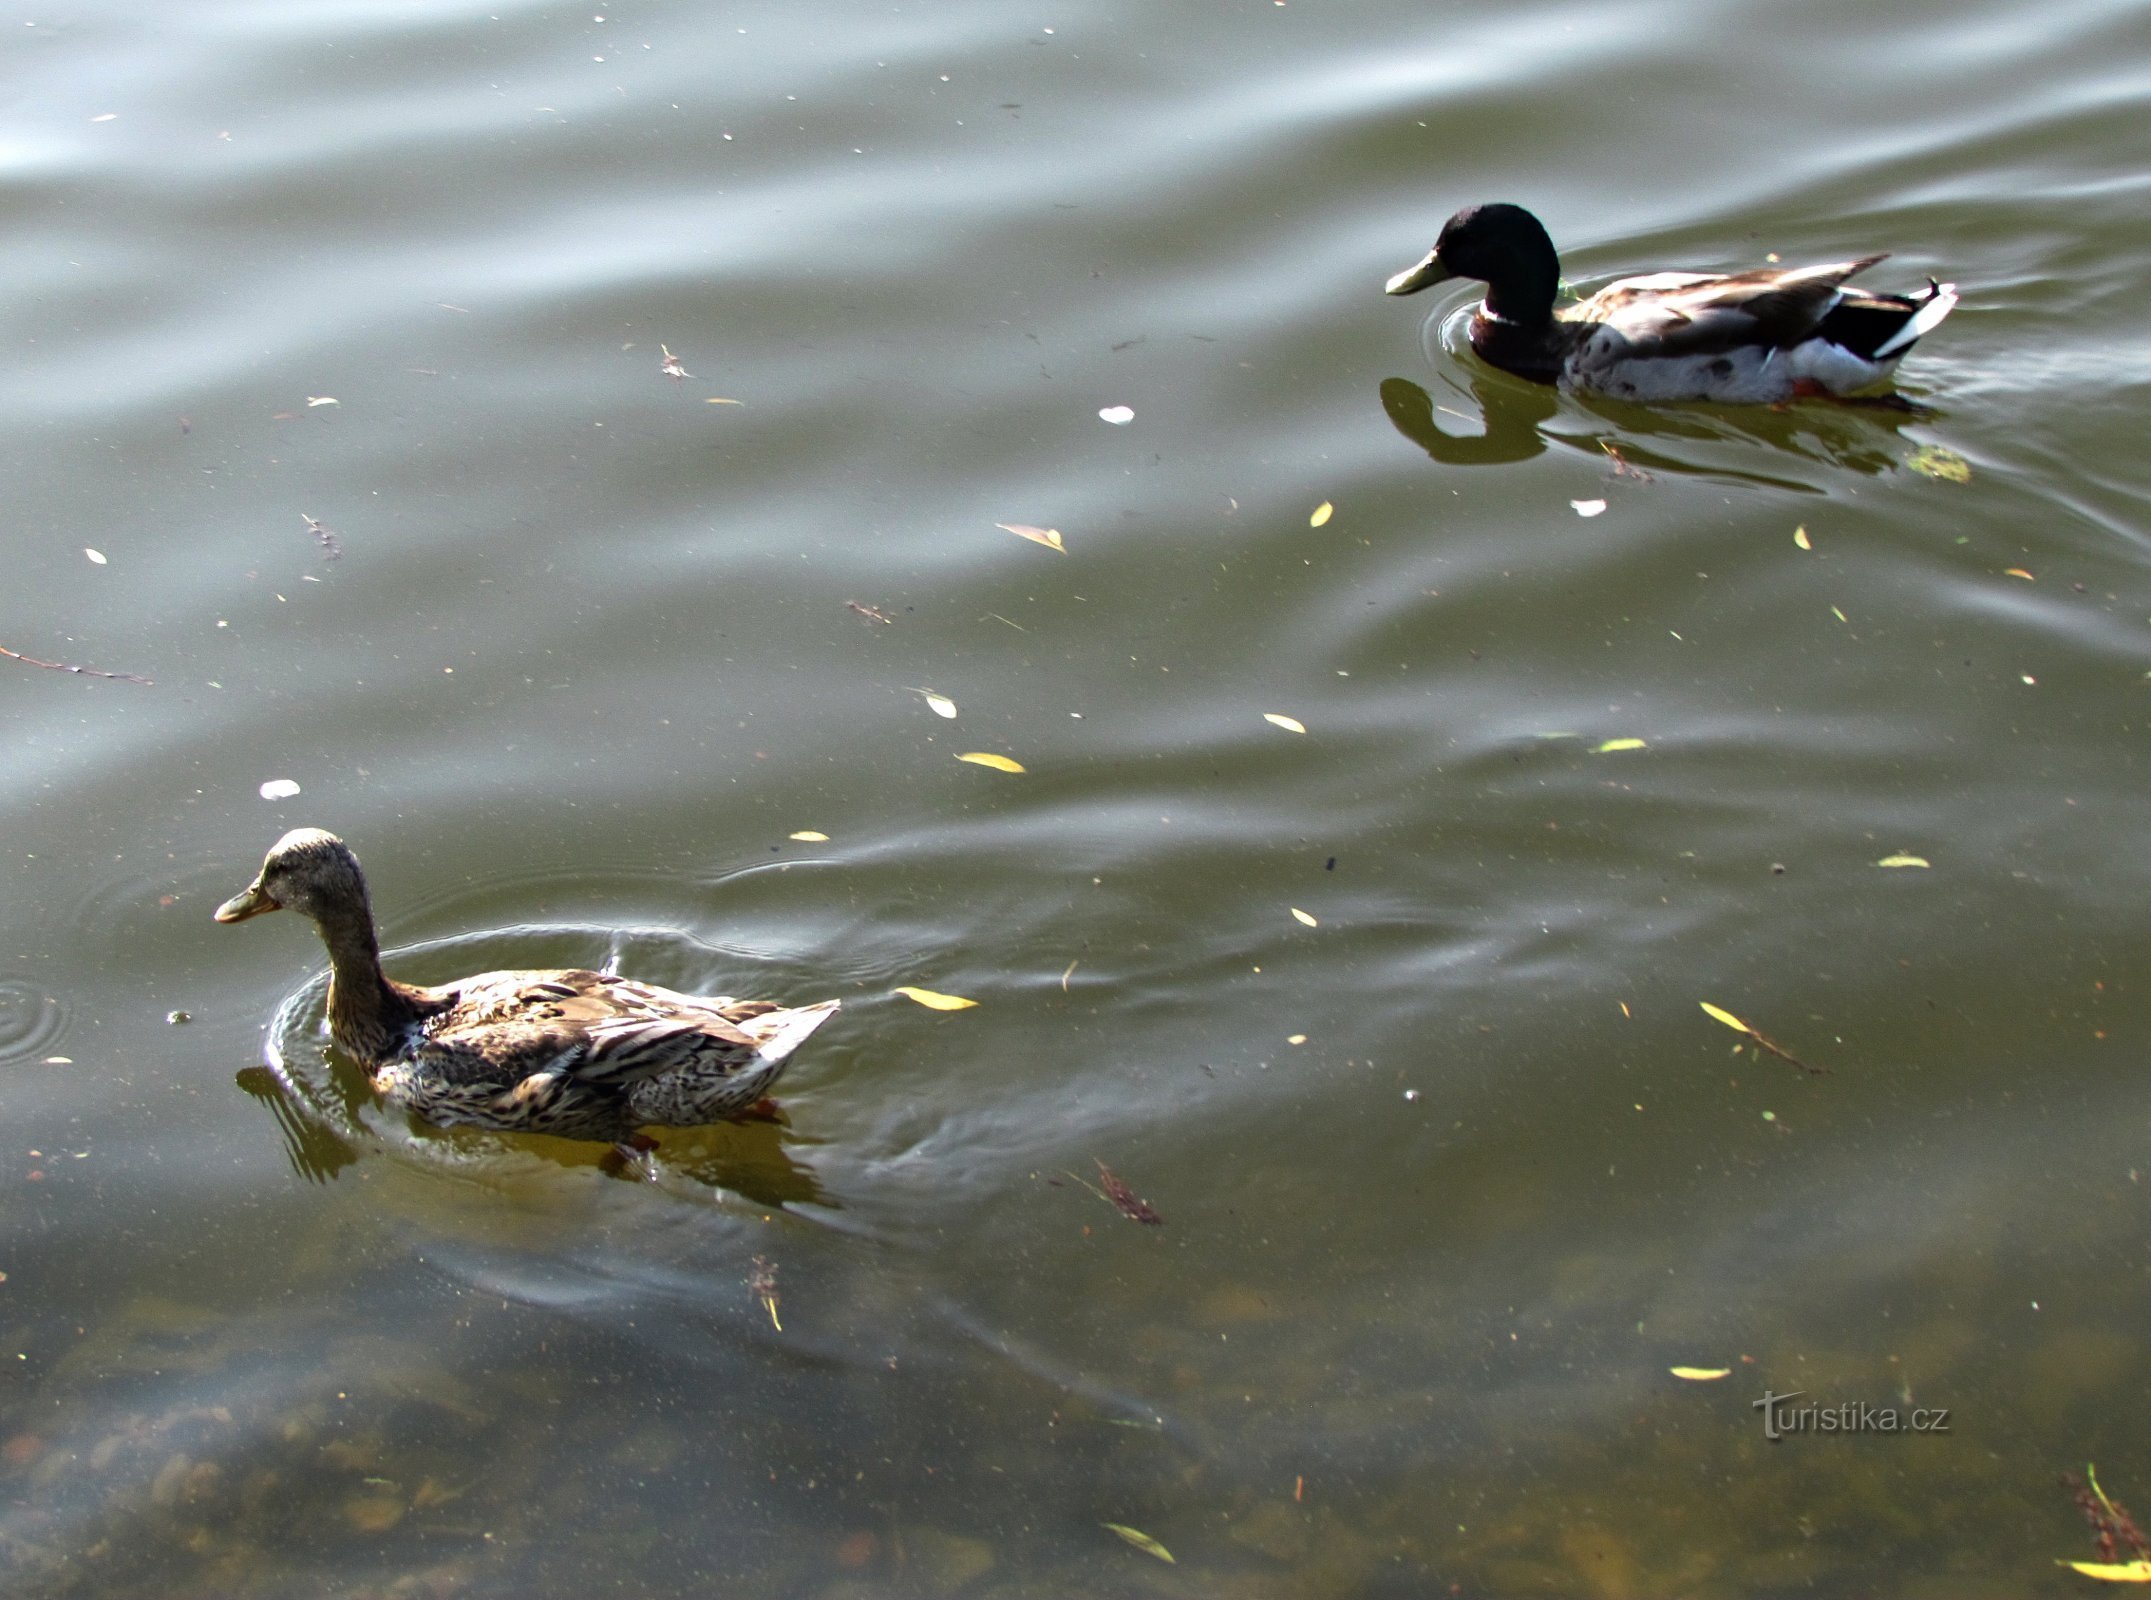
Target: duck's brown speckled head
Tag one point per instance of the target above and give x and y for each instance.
(307, 871)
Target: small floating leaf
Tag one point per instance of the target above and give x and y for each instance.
(809, 836)
(279, 789)
(98, 556)
(986, 758)
(1289, 724)
(719, 400)
(1300, 916)
(1588, 508)
(1903, 861)
(933, 1000)
(1800, 537)
(2018, 572)
(1612, 745)
(1142, 1541)
(1932, 461)
(1762, 1040)
(1118, 416)
(2107, 1571)
(1049, 537)
(323, 400)
(1701, 1374)
(1321, 514)
(939, 704)
(1130, 1204)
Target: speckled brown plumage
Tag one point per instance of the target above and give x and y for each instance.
(577, 1053)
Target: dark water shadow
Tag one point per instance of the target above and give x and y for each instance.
(316, 1151)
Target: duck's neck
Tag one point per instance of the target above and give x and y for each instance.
(368, 1015)
(1523, 295)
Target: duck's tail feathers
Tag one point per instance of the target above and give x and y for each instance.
(782, 1032)
(1941, 300)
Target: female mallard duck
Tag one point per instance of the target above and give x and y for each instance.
(575, 1053)
(1766, 336)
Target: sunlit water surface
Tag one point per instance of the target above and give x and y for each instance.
(337, 333)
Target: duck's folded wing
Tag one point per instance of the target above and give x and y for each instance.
(626, 1050)
(1681, 314)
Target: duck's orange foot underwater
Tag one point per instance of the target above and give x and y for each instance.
(1891, 400)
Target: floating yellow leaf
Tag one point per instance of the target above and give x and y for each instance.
(1725, 1017)
(1142, 1541)
(1701, 1374)
(986, 758)
(2018, 572)
(719, 400)
(1296, 1038)
(932, 1000)
(1933, 461)
(1903, 861)
(809, 836)
(1321, 514)
(1800, 537)
(1049, 537)
(1289, 724)
(2111, 1571)
(1300, 916)
(1612, 745)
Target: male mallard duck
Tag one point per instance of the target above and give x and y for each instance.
(575, 1053)
(1774, 334)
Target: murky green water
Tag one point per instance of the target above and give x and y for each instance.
(1453, 1168)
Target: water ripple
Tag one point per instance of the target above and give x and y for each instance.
(32, 1022)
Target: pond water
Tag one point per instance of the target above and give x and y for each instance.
(334, 387)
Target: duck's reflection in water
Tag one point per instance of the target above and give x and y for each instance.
(1514, 418)
(748, 1159)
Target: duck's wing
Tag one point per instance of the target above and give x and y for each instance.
(604, 1032)
(1674, 314)
(578, 1026)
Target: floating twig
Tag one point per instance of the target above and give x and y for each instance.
(87, 672)
(326, 537)
(1762, 1040)
(763, 1281)
(1621, 468)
